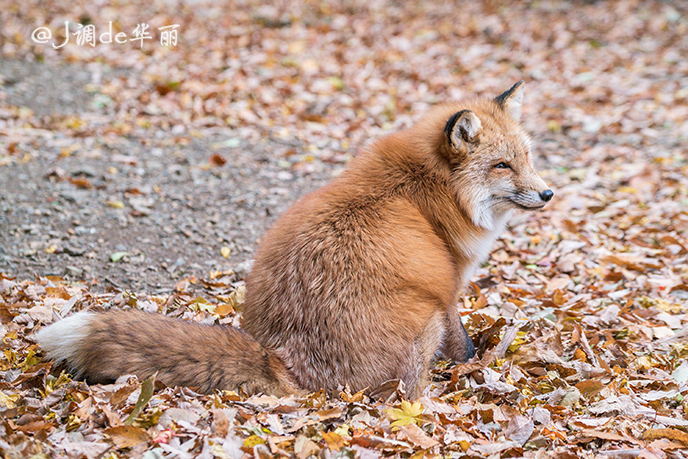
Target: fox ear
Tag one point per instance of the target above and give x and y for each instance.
(511, 100)
(463, 127)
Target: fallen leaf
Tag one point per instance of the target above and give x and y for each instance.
(115, 204)
(520, 429)
(218, 160)
(81, 182)
(118, 256)
(417, 436)
(144, 397)
(671, 434)
(590, 386)
(407, 413)
(127, 436)
(334, 441)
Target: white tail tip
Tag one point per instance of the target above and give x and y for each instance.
(62, 340)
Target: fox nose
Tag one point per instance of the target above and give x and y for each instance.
(546, 195)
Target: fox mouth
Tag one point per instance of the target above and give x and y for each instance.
(524, 207)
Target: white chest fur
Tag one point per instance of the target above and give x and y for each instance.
(480, 246)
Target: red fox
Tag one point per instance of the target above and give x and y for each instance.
(357, 283)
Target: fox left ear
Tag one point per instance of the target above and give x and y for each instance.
(511, 100)
(463, 128)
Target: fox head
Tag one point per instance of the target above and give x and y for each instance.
(490, 159)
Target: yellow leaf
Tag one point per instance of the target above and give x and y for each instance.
(225, 252)
(578, 354)
(336, 82)
(8, 401)
(407, 413)
(518, 341)
(74, 123)
(115, 204)
(237, 297)
(51, 248)
(343, 430)
(224, 309)
(73, 423)
(663, 160)
(30, 360)
(334, 440)
(52, 383)
(357, 397)
(65, 152)
(645, 362)
(147, 388)
(553, 126)
(252, 441)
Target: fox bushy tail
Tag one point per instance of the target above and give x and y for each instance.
(103, 346)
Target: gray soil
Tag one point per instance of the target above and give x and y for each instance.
(178, 211)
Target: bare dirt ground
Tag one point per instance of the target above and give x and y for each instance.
(170, 206)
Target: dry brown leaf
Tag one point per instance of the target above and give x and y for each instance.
(218, 160)
(608, 436)
(334, 440)
(671, 434)
(590, 386)
(127, 436)
(417, 436)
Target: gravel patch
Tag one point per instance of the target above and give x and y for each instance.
(164, 210)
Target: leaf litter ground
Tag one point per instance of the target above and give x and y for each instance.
(580, 315)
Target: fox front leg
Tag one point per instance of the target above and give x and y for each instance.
(457, 345)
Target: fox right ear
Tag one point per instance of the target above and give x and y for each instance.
(512, 99)
(463, 128)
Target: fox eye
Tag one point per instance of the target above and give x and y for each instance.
(502, 165)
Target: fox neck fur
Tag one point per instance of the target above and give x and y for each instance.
(407, 164)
